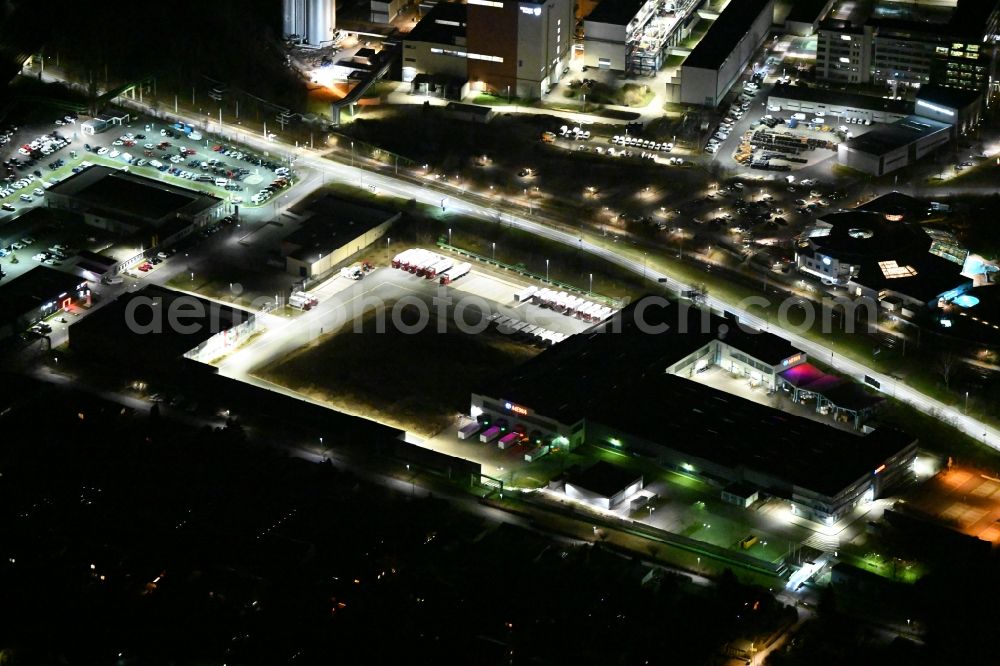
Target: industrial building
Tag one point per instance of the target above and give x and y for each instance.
(309, 22)
(156, 327)
(724, 52)
(636, 36)
(631, 383)
(909, 44)
(37, 294)
(804, 16)
(892, 147)
(513, 48)
(843, 106)
(603, 485)
(148, 212)
(880, 251)
(334, 230)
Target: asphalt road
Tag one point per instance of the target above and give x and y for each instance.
(357, 175)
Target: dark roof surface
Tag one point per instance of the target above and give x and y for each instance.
(615, 12)
(110, 324)
(32, 289)
(429, 29)
(619, 380)
(824, 96)
(955, 98)
(900, 133)
(725, 33)
(334, 223)
(605, 479)
(806, 11)
(135, 198)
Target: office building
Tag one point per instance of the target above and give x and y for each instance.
(901, 45)
(880, 251)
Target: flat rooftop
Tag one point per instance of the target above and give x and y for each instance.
(618, 379)
(615, 12)
(806, 11)
(117, 330)
(120, 194)
(334, 223)
(605, 479)
(444, 24)
(835, 98)
(725, 33)
(938, 20)
(30, 290)
(899, 134)
(955, 98)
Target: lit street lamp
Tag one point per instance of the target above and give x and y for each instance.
(494, 251)
(547, 279)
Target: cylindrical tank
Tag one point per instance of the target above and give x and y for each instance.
(320, 22)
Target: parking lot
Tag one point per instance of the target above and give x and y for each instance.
(38, 156)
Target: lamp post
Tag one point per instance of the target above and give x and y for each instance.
(966, 402)
(494, 251)
(387, 241)
(352, 154)
(547, 279)
(591, 288)
(449, 235)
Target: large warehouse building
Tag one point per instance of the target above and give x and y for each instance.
(635, 36)
(335, 230)
(724, 52)
(627, 383)
(149, 212)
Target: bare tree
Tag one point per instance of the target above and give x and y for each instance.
(947, 364)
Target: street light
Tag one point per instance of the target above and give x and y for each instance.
(352, 154)
(387, 241)
(591, 289)
(449, 235)
(494, 251)
(547, 279)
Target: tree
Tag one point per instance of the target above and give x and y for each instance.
(947, 364)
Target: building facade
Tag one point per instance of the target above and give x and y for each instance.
(944, 43)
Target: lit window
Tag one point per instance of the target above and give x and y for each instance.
(842, 59)
(846, 38)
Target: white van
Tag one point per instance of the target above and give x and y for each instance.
(221, 182)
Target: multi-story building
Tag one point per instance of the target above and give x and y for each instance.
(517, 48)
(948, 43)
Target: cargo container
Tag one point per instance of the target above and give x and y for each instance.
(525, 294)
(469, 430)
(455, 272)
(489, 435)
(536, 453)
(509, 440)
(437, 268)
(399, 259)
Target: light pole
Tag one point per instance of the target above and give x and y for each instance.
(352, 154)
(966, 402)
(547, 279)
(494, 251)
(449, 235)
(387, 241)
(591, 289)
